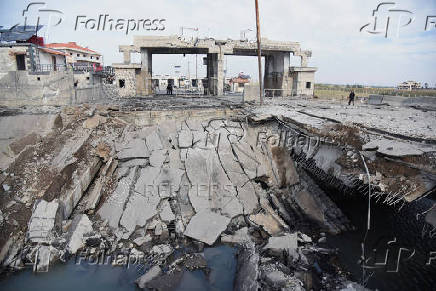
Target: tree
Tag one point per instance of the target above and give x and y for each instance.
(426, 85)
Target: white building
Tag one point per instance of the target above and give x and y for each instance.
(30, 57)
(409, 85)
(77, 54)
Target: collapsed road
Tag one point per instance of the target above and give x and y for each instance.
(164, 185)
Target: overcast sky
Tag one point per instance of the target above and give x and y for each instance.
(330, 28)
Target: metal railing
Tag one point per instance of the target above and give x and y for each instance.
(50, 68)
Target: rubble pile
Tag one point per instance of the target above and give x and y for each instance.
(173, 186)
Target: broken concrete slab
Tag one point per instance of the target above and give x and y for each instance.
(154, 272)
(46, 218)
(174, 159)
(166, 213)
(186, 209)
(139, 241)
(72, 196)
(147, 180)
(158, 157)
(211, 187)
(310, 206)
(247, 197)
(133, 163)
(134, 149)
(393, 148)
(139, 209)
(267, 218)
(113, 207)
(185, 139)
(168, 181)
(284, 167)
(239, 237)
(287, 242)
(80, 226)
(66, 155)
(206, 232)
(153, 141)
(44, 254)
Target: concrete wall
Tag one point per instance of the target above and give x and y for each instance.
(83, 80)
(46, 59)
(20, 88)
(7, 57)
(252, 93)
(130, 80)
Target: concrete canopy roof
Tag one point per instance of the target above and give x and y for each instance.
(177, 45)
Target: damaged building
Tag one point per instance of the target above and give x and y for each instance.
(34, 73)
(280, 78)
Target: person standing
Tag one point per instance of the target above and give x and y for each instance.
(170, 89)
(351, 98)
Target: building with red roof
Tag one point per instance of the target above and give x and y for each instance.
(77, 54)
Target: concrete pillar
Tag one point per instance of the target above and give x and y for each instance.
(215, 73)
(304, 60)
(126, 56)
(144, 78)
(276, 74)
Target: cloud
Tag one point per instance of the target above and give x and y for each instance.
(330, 28)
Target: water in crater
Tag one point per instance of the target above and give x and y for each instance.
(221, 261)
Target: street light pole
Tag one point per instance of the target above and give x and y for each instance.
(259, 53)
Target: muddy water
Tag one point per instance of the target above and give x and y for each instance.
(221, 260)
(411, 272)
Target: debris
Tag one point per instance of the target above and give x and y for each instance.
(46, 218)
(166, 214)
(154, 272)
(134, 149)
(162, 251)
(142, 240)
(206, 232)
(241, 236)
(94, 122)
(185, 138)
(286, 242)
(103, 150)
(248, 268)
(81, 225)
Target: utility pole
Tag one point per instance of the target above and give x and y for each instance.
(259, 53)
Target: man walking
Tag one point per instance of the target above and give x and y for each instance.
(351, 98)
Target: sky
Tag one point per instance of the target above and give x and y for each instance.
(331, 29)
